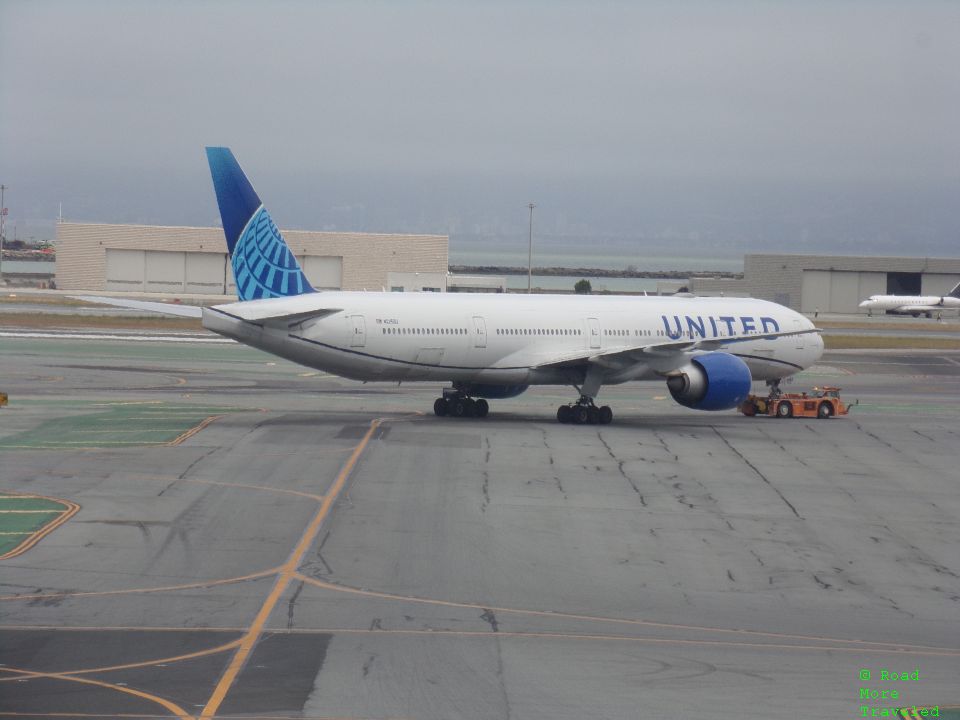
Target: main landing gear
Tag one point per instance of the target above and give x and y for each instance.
(457, 404)
(584, 412)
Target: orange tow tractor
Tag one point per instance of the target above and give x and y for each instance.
(822, 403)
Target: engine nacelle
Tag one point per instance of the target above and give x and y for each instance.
(712, 381)
(491, 392)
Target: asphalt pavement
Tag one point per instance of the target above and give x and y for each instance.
(287, 544)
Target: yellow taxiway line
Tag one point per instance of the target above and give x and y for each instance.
(193, 431)
(287, 573)
(163, 702)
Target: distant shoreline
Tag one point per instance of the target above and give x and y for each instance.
(29, 255)
(593, 272)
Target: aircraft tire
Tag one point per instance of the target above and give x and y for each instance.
(458, 407)
(581, 415)
(564, 414)
(482, 408)
(440, 407)
(606, 415)
(471, 407)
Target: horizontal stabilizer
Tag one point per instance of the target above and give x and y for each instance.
(275, 310)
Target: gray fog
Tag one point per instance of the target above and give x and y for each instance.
(647, 128)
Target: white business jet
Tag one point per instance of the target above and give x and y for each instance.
(915, 305)
(706, 350)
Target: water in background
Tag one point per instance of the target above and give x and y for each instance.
(29, 266)
(597, 284)
(605, 258)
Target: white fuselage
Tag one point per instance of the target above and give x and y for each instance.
(910, 303)
(511, 338)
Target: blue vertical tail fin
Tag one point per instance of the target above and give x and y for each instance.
(263, 266)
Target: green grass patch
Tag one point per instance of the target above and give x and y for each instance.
(887, 342)
(18, 298)
(44, 321)
(182, 354)
(945, 713)
(21, 517)
(905, 326)
(119, 425)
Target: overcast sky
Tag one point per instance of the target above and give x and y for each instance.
(732, 126)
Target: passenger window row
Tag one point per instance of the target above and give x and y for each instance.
(626, 333)
(423, 331)
(538, 331)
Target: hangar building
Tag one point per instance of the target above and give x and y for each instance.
(193, 260)
(832, 283)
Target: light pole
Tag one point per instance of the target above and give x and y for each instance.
(3, 217)
(530, 252)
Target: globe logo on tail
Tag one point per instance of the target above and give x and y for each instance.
(263, 265)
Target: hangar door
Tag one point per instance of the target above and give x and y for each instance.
(124, 270)
(815, 293)
(166, 272)
(837, 291)
(844, 291)
(938, 283)
(324, 272)
(206, 273)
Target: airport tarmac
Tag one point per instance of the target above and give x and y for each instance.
(257, 539)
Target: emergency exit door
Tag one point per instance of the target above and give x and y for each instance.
(479, 331)
(593, 327)
(359, 336)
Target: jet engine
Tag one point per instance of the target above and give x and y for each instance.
(491, 392)
(712, 381)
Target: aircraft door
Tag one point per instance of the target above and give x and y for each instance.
(480, 331)
(593, 327)
(358, 337)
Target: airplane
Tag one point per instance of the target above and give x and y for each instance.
(915, 305)
(492, 346)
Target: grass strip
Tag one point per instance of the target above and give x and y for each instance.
(888, 342)
(928, 326)
(46, 321)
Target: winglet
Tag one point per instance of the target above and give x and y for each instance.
(263, 265)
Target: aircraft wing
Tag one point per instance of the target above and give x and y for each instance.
(193, 311)
(288, 311)
(622, 357)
